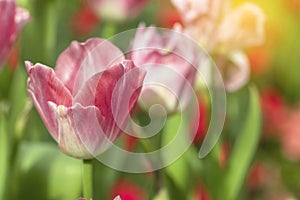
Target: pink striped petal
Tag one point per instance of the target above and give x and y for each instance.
(80, 61)
(44, 86)
(79, 133)
(90, 132)
(114, 93)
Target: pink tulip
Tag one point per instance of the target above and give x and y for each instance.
(117, 10)
(83, 101)
(12, 20)
(171, 60)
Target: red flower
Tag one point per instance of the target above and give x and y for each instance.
(168, 18)
(77, 100)
(127, 190)
(258, 176)
(201, 193)
(290, 134)
(274, 111)
(12, 20)
(84, 22)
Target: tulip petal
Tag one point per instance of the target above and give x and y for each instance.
(21, 18)
(7, 27)
(80, 61)
(243, 27)
(91, 134)
(114, 93)
(79, 132)
(44, 86)
(238, 71)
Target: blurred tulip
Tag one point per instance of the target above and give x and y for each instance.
(167, 15)
(201, 193)
(117, 10)
(128, 190)
(274, 111)
(168, 18)
(290, 135)
(258, 176)
(76, 100)
(217, 27)
(224, 32)
(84, 22)
(12, 20)
(170, 60)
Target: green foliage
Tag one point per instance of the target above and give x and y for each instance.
(244, 149)
(43, 172)
(4, 155)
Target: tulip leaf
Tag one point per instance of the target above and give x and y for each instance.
(244, 149)
(3, 155)
(176, 128)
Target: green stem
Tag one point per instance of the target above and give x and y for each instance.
(109, 29)
(87, 179)
(19, 131)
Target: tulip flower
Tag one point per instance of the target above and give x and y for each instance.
(77, 100)
(170, 60)
(84, 22)
(127, 190)
(224, 33)
(117, 10)
(12, 20)
(274, 111)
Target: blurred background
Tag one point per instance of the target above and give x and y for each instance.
(32, 167)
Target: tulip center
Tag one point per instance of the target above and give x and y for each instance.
(62, 111)
(166, 51)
